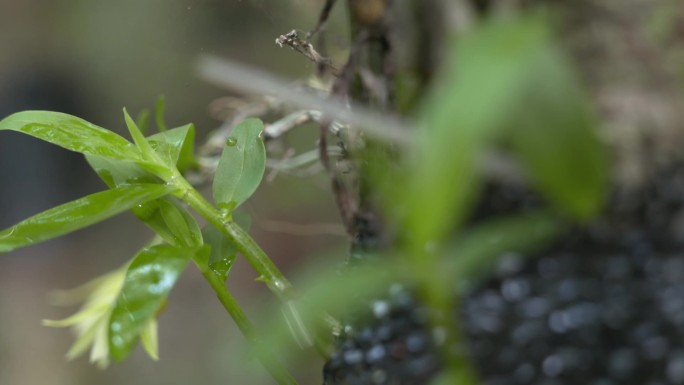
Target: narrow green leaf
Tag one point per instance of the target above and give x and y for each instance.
(170, 220)
(166, 216)
(139, 139)
(78, 214)
(143, 120)
(176, 146)
(555, 137)
(179, 222)
(72, 133)
(159, 113)
(482, 84)
(149, 279)
(241, 166)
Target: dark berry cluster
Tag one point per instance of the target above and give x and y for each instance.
(603, 305)
(390, 347)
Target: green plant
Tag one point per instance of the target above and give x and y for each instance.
(481, 106)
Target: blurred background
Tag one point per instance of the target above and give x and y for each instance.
(91, 58)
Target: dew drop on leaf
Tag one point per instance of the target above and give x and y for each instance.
(231, 142)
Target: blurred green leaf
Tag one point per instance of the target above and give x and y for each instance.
(484, 77)
(143, 120)
(149, 279)
(478, 250)
(159, 113)
(555, 138)
(241, 166)
(78, 214)
(324, 295)
(72, 133)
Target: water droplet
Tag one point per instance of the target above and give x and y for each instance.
(279, 284)
(222, 267)
(116, 326)
(117, 340)
(231, 142)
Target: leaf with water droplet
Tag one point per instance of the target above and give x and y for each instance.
(78, 214)
(222, 254)
(149, 279)
(72, 133)
(241, 166)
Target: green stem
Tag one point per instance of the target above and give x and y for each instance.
(262, 264)
(270, 363)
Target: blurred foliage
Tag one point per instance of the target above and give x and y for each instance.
(505, 88)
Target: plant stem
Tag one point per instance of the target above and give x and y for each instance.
(270, 363)
(262, 264)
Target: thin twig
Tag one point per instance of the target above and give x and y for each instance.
(292, 40)
(235, 76)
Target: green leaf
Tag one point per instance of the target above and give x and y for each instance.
(176, 146)
(139, 139)
(477, 251)
(159, 113)
(241, 166)
(222, 254)
(143, 120)
(170, 220)
(179, 222)
(119, 172)
(555, 138)
(482, 84)
(78, 214)
(72, 133)
(149, 279)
